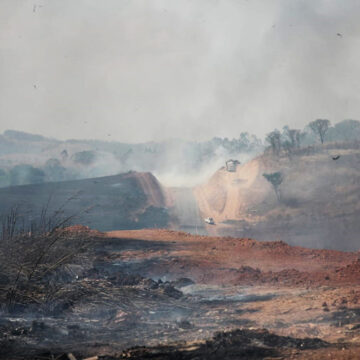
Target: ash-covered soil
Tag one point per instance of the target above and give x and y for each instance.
(130, 200)
(164, 294)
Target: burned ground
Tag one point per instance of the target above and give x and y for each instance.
(237, 344)
(125, 201)
(151, 287)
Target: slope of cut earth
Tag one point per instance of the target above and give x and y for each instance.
(319, 204)
(152, 188)
(126, 201)
(226, 194)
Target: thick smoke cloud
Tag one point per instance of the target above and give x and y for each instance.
(150, 70)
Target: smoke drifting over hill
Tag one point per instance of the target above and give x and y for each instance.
(170, 168)
(136, 71)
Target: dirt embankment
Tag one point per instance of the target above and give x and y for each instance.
(228, 194)
(126, 201)
(319, 204)
(152, 189)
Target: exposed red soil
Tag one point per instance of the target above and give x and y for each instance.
(244, 261)
(152, 189)
(83, 230)
(291, 291)
(317, 292)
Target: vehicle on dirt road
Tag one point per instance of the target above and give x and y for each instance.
(209, 220)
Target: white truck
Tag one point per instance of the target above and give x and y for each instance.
(209, 220)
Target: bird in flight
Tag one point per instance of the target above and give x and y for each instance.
(336, 157)
(36, 7)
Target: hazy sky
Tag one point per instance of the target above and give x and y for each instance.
(141, 70)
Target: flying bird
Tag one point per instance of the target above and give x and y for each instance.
(338, 34)
(36, 6)
(336, 157)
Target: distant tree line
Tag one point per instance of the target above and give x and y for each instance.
(245, 143)
(98, 158)
(317, 131)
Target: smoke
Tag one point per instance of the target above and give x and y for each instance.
(135, 71)
(178, 175)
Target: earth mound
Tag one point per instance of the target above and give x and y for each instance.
(126, 201)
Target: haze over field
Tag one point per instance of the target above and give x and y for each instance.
(135, 71)
(176, 89)
(179, 179)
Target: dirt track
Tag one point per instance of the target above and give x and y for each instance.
(319, 204)
(186, 211)
(219, 259)
(316, 292)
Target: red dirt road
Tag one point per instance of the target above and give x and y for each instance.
(316, 292)
(219, 260)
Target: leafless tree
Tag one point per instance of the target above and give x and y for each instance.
(320, 128)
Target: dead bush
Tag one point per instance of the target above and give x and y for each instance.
(33, 256)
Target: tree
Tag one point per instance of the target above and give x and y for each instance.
(26, 174)
(86, 157)
(290, 140)
(288, 147)
(294, 136)
(64, 154)
(248, 142)
(345, 130)
(275, 179)
(54, 171)
(274, 139)
(320, 128)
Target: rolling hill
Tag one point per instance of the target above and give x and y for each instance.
(319, 204)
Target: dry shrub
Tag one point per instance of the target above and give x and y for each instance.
(32, 254)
